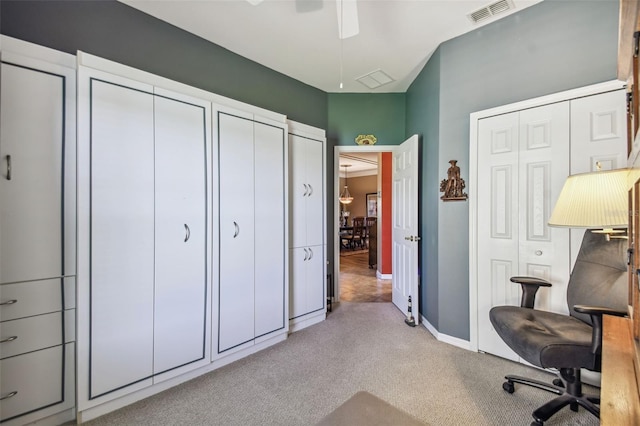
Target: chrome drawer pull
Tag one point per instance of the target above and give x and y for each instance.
(9, 302)
(310, 190)
(237, 229)
(9, 339)
(306, 190)
(10, 395)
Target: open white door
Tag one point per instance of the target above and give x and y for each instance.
(405, 226)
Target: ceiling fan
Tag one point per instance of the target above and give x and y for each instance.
(347, 14)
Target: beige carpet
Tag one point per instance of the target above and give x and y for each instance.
(365, 409)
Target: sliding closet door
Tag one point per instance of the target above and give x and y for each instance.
(122, 236)
(270, 229)
(237, 257)
(180, 225)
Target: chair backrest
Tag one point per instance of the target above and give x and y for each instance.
(358, 225)
(599, 276)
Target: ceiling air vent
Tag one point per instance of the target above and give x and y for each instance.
(375, 79)
(491, 10)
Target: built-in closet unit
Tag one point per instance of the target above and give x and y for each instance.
(251, 295)
(143, 234)
(37, 234)
(523, 154)
(307, 293)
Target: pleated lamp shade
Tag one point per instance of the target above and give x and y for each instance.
(593, 200)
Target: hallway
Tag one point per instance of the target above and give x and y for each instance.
(358, 282)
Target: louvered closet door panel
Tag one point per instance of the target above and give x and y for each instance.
(122, 236)
(315, 179)
(236, 287)
(31, 140)
(270, 233)
(180, 216)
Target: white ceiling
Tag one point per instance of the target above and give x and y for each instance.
(360, 163)
(396, 36)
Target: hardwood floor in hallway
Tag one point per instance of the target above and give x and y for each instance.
(358, 282)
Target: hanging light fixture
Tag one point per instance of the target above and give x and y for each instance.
(345, 196)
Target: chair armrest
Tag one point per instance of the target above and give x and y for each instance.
(596, 313)
(530, 286)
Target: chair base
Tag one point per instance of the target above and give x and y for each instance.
(569, 389)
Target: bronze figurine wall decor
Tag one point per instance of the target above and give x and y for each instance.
(453, 185)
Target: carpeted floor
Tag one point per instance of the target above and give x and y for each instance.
(360, 347)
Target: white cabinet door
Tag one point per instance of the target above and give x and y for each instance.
(31, 185)
(298, 190)
(306, 191)
(121, 235)
(298, 277)
(237, 257)
(315, 180)
(180, 231)
(270, 285)
(315, 279)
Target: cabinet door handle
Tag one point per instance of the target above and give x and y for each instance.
(306, 190)
(237, 229)
(9, 302)
(306, 254)
(187, 233)
(9, 339)
(8, 167)
(9, 395)
(310, 190)
(310, 254)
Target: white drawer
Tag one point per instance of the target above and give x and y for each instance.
(31, 381)
(30, 298)
(30, 334)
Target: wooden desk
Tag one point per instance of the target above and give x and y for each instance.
(620, 396)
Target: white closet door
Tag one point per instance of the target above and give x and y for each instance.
(497, 224)
(31, 146)
(122, 236)
(298, 279)
(180, 229)
(298, 190)
(237, 257)
(270, 232)
(544, 166)
(315, 179)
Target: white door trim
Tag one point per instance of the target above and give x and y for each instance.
(473, 178)
(336, 205)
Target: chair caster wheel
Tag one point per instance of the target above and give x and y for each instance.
(537, 423)
(558, 382)
(508, 386)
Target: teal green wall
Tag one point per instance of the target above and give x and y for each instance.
(552, 46)
(352, 114)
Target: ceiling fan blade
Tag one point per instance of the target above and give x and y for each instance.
(347, 18)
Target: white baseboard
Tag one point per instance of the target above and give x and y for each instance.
(455, 341)
(383, 276)
(305, 321)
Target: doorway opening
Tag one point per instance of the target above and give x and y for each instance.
(362, 255)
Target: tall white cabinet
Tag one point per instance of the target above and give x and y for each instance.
(251, 297)
(307, 292)
(144, 154)
(37, 234)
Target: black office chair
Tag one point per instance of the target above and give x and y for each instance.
(597, 286)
